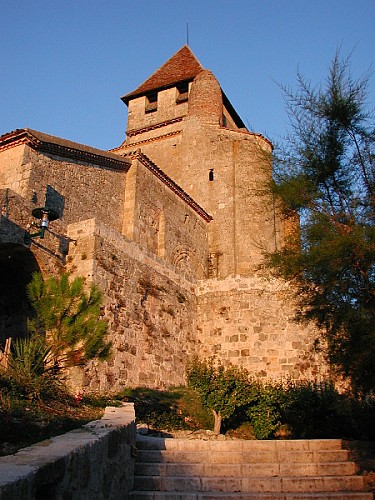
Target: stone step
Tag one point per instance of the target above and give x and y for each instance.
(248, 470)
(153, 443)
(290, 484)
(276, 470)
(235, 457)
(187, 495)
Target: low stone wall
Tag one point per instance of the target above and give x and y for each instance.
(93, 462)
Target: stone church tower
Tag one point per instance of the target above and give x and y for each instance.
(182, 120)
(172, 225)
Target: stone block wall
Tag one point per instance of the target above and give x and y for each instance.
(94, 462)
(163, 224)
(151, 310)
(147, 280)
(166, 108)
(78, 191)
(15, 216)
(15, 219)
(250, 322)
(15, 171)
(237, 195)
(136, 203)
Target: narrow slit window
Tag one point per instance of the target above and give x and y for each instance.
(211, 174)
(182, 92)
(151, 102)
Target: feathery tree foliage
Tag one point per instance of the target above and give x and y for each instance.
(69, 319)
(325, 174)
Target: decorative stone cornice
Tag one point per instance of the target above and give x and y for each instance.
(142, 158)
(131, 133)
(146, 141)
(63, 148)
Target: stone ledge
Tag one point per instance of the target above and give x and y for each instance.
(94, 461)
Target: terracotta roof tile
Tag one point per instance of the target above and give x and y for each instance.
(182, 66)
(62, 147)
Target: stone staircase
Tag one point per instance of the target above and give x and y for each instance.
(211, 470)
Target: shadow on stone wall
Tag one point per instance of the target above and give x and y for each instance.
(17, 264)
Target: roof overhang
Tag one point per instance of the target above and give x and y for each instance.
(40, 141)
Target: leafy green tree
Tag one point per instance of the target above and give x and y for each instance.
(222, 389)
(265, 411)
(325, 175)
(69, 319)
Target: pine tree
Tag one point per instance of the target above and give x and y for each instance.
(325, 174)
(69, 319)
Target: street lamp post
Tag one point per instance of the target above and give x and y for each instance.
(45, 215)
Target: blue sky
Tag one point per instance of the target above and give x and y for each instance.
(65, 65)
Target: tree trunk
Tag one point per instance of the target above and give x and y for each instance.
(218, 420)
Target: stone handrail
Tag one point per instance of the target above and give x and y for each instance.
(93, 462)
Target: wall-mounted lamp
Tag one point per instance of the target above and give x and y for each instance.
(45, 215)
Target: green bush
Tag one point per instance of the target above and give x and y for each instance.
(306, 409)
(312, 409)
(317, 410)
(265, 412)
(189, 403)
(157, 409)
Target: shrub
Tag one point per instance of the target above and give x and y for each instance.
(31, 374)
(317, 410)
(222, 389)
(301, 410)
(156, 409)
(265, 411)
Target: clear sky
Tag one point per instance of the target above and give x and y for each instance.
(65, 64)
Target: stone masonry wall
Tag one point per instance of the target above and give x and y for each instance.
(78, 191)
(137, 204)
(150, 308)
(250, 322)
(165, 225)
(244, 222)
(166, 102)
(14, 174)
(15, 218)
(147, 281)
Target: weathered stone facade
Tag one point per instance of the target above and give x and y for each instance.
(172, 225)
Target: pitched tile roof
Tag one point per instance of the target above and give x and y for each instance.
(62, 147)
(182, 66)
